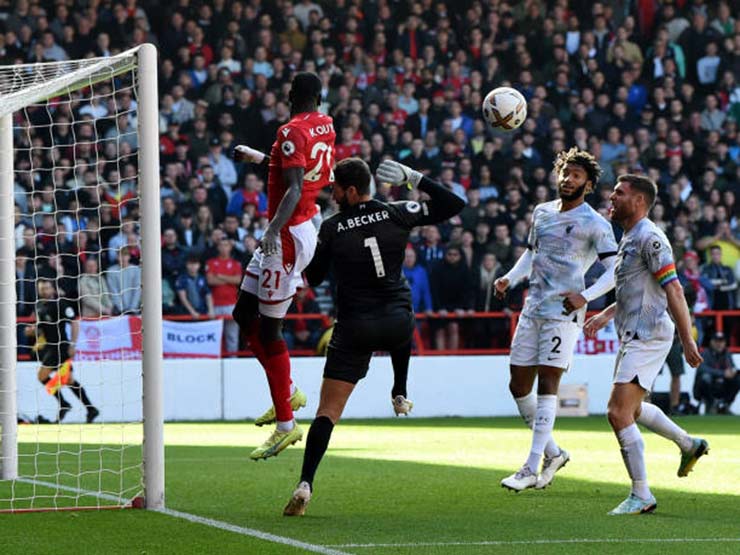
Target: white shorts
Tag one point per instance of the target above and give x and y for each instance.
(642, 360)
(544, 342)
(274, 279)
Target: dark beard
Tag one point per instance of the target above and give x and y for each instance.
(574, 195)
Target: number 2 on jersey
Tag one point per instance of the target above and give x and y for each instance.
(372, 244)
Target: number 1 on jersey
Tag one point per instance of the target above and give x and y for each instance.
(372, 244)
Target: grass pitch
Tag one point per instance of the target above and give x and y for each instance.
(404, 486)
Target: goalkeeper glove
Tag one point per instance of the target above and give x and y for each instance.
(397, 174)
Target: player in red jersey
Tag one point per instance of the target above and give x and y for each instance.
(300, 165)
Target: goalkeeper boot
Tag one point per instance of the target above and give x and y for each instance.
(277, 442)
(297, 401)
(401, 405)
(634, 505)
(550, 465)
(298, 503)
(699, 448)
(524, 478)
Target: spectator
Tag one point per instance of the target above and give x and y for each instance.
(303, 333)
(717, 380)
(224, 275)
(452, 293)
(722, 280)
(173, 256)
(193, 291)
(418, 280)
(95, 297)
(124, 284)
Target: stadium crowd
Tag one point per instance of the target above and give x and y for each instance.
(647, 87)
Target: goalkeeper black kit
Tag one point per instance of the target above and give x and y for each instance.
(364, 247)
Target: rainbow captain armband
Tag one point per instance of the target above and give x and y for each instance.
(666, 274)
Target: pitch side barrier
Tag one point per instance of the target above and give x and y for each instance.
(727, 321)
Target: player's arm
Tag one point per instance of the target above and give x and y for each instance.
(680, 312)
(294, 183)
(521, 270)
(605, 283)
(318, 268)
(244, 153)
(595, 323)
(442, 203)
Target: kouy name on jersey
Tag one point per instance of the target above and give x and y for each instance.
(306, 141)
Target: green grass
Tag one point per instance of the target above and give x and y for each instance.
(410, 481)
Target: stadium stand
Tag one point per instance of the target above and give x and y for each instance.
(653, 89)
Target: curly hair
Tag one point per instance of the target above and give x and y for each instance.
(580, 158)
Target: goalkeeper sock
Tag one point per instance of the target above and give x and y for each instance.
(400, 361)
(277, 368)
(316, 444)
(527, 406)
(656, 421)
(79, 392)
(544, 420)
(633, 454)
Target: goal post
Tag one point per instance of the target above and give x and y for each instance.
(75, 168)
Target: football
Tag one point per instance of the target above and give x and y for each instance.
(505, 108)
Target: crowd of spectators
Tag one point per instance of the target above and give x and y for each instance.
(647, 87)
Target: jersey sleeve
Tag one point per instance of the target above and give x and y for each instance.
(604, 241)
(291, 143)
(409, 213)
(658, 255)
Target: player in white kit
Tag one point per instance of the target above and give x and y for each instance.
(566, 238)
(647, 288)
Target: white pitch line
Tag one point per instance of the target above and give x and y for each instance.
(536, 542)
(98, 494)
(259, 534)
(253, 533)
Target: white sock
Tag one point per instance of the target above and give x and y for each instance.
(544, 420)
(285, 426)
(292, 388)
(633, 454)
(656, 421)
(527, 408)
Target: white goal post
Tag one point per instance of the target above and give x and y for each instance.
(115, 463)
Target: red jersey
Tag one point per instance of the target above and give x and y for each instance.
(306, 141)
(224, 295)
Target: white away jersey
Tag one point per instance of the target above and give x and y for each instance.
(644, 266)
(565, 245)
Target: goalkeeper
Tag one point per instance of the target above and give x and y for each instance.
(364, 244)
(55, 349)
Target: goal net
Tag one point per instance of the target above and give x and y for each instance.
(80, 338)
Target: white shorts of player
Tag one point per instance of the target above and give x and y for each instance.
(540, 342)
(274, 279)
(641, 359)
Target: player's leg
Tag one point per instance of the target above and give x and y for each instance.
(347, 362)
(637, 365)
(674, 360)
(45, 378)
(624, 403)
(400, 358)
(334, 396)
(79, 392)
